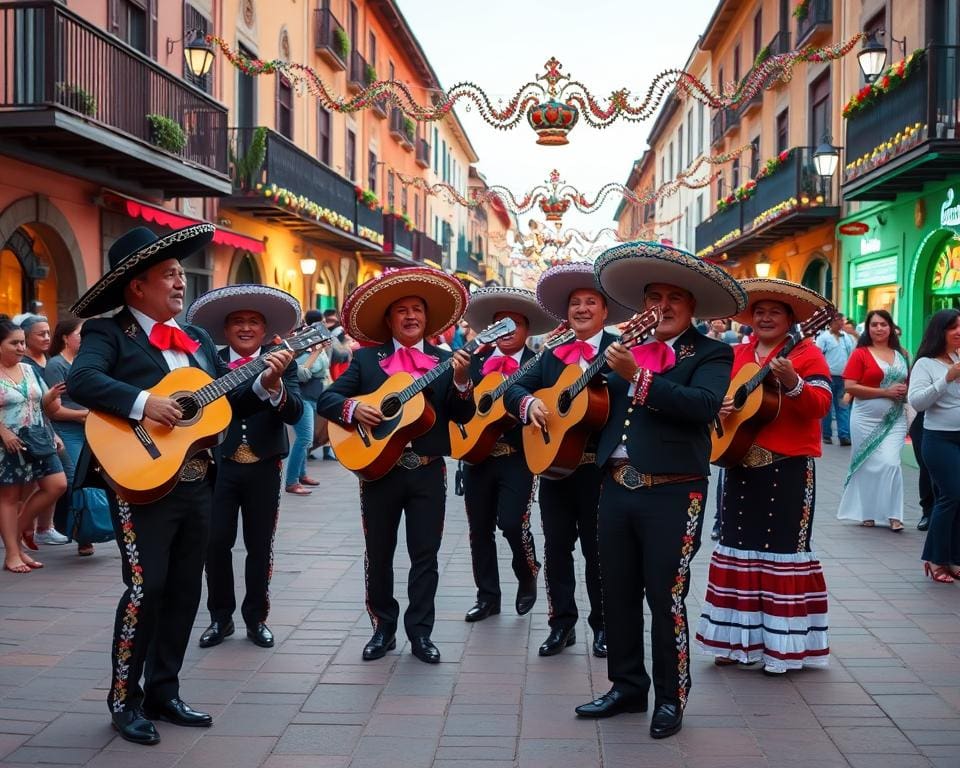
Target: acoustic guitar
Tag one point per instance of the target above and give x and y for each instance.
(756, 399)
(371, 452)
(577, 406)
(473, 441)
(141, 460)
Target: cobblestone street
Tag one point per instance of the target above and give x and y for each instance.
(890, 697)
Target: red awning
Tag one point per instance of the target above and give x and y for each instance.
(137, 209)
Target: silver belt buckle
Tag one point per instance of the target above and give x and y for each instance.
(409, 460)
(632, 479)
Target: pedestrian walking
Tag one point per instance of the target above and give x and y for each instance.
(837, 346)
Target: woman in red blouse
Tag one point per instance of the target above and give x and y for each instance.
(766, 596)
(876, 377)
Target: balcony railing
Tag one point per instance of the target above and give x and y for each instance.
(718, 125)
(357, 76)
(55, 61)
(401, 127)
(426, 249)
(817, 22)
(423, 153)
(397, 238)
(330, 39)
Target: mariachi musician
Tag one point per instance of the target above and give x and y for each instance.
(655, 454)
(569, 293)
(499, 491)
(395, 312)
(243, 318)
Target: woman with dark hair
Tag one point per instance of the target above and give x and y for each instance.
(935, 390)
(69, 418)
(876, 378)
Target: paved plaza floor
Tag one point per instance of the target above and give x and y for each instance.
(890, 697)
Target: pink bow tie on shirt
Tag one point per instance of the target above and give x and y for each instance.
(408, 360)
(500, 364)
(656, 356)
(571, 352)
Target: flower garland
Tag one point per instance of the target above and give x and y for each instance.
(367, 197)
(903, 140)
(304, 206)
(890, 80)
(727, 238)
(747, 190)
(783, 208)
(370, 234)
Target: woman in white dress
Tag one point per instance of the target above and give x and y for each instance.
(876, 378)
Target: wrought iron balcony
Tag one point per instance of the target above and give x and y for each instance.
(423, 153)
(817, 24)
(909, 135)
(357, 76)
(76, 99)
(426, 249)
(330, 39)
(402, 128)
(397, 239)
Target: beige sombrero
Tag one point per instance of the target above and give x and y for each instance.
(280, 310)
(802, 300)
(365, 309)
(558, 282)
(487, 302)
(625, 271)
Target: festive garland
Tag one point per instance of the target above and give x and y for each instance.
(367, 197)
(747, 190)
(304, 206)
(727, 238)
(370, 234)
(885, 151)
(867, 96)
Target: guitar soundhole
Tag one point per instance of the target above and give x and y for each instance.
(563, 402)
(190, 408)
(740, 398)
(390, 406)
(485, 404)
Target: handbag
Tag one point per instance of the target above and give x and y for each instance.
(37, 440)
(88, 520)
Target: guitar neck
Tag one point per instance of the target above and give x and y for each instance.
(757, 379)
(230, 381)
(589, 372)
(514, 377)
(407, 393)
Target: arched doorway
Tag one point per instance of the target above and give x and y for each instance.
(818, 276)
(27, 280)
(244, 268)
(943, 283)
(325, 289)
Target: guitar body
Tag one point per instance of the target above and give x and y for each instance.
(569, 426)
(473, 441)
(741, 426)
(141, 461)
(372, 452)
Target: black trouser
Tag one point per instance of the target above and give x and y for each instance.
(648, 537)
(421, 495)
(499, 492)
(926, 489)
(252, 490)
(568, 511)
(162, 546)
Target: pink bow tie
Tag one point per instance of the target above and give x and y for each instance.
(238, 362)
(571, 352)
(656, 356)
(408, 360)
(500, 364)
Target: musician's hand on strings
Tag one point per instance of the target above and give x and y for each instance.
(367, 415)
(782, 369)
(461, 367)
(726, 408)
(621, 361)
(537, 413)
(276, 363)
(163, 410)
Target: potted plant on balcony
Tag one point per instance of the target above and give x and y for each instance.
(409, 130)
(801, 9)
(370, 74)
(247, 167)
(341, 43)
(76, 98)
(166, 133)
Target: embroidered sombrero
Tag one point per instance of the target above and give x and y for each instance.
(280, 310)
(132, 253)
(625, 271)
(802, 300)
(558, 282)
(487, 302)
(365, 309)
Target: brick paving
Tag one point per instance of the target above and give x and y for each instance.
(890, 697)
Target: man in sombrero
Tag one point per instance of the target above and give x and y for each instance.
(499, 491)
(162, 543)
(243, 318)
(568, 506)
(655, 452)
(395, 312)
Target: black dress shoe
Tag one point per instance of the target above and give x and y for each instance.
(424, 649)
(557, 640)
(526, 595)
(611, 703)
(133, 726)
(481, 610)
(215, 633)
(178, 712)
(600, 644)
(260, 635)
(378, 646)
(924, 522)
(666, 721)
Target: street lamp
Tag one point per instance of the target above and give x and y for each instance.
(872, 56)
(197, 51)
(308, 266)
(762, 267)
(825, 158)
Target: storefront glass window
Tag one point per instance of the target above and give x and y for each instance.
(945, 279)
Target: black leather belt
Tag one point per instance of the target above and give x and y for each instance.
(411, 460)
(631, 478)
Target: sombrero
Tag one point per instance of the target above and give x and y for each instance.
(802, 300)
(280, 310)
(132, 253)
(487, 302)
(365, 309)
(625, 271)
(558, 282)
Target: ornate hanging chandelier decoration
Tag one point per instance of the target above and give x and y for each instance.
(553, 103)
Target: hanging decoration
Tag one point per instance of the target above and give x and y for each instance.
(553, 103)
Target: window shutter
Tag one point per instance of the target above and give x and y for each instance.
(113, 16)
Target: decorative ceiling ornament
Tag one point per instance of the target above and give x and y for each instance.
(552, 110)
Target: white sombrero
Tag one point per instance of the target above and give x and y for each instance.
(487, 302)
(280, 310)
(558, 282)
(625, 271)
(802, 300)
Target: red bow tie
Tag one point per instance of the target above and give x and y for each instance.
(571, 352)
(656, 356)
(167, 337)
(504, 364)
(408, 360)
(238, 362)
